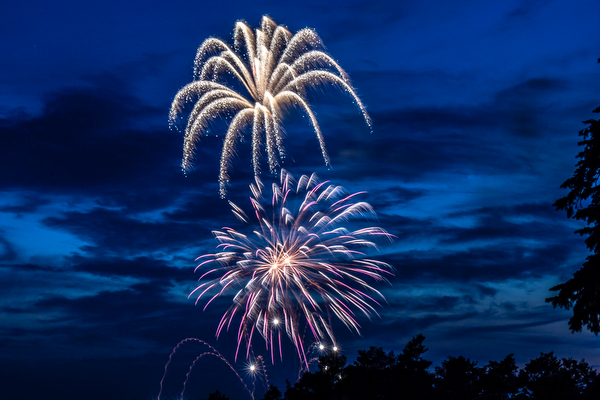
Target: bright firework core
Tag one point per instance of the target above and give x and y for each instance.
(298, 268)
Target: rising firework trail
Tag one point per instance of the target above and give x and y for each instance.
(273, 70)
(298, 268)
(209, 352)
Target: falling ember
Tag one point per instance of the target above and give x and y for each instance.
(298, 268)
(274, 69)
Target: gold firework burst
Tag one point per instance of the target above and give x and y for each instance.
(274, 69)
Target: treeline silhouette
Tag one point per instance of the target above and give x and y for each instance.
(377, 375)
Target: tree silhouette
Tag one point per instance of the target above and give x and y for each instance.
(217, 396)
(273, 393)
(411, 358)
(371, 375)
(412, 371)
(501, 381)
(375, 359)
(458, 378)
(378, 375)
(582, 291)
(550, 378)
(321, 385)
(374, 375)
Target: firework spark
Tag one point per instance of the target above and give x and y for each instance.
(273, 69)
(298, 268)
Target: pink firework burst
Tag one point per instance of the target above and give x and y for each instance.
(300, 266)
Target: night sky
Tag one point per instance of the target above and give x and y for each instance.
(476, 108)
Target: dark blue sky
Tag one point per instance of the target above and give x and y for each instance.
(475, 106)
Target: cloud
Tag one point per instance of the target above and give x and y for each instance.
(159, 272)
(30, 202)
(524, 11)
(8, 253)
(85, 137)
(118, 232)
(489, 263)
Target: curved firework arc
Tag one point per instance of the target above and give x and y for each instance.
(298, 267)
(274, 69)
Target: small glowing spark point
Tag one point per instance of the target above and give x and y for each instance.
(273, 69)
(321, 347)
(335, 348)
(320, 265)
(252, 367)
